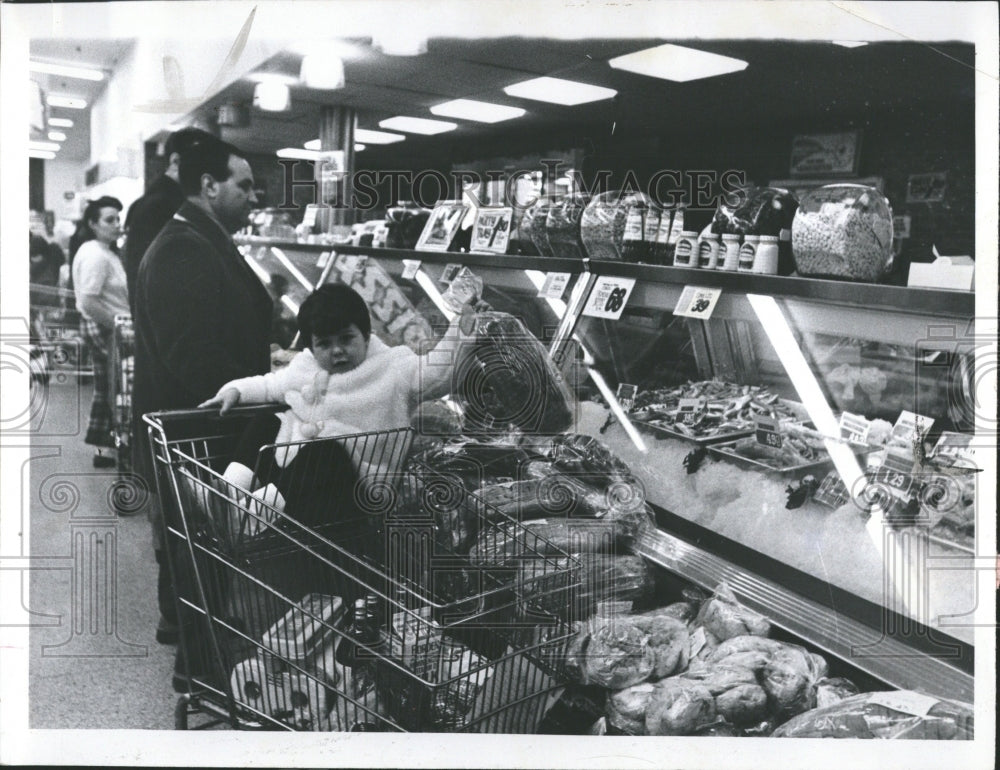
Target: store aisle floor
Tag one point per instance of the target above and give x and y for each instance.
(94, 661)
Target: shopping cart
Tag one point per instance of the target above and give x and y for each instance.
(431, 643)
(122, 368)
(55, 332)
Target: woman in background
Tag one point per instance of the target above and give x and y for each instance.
(101, 293)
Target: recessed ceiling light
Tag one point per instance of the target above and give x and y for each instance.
(272, 97)
(418, 125)
(358, 147)
(559, 91)
(312, 144)
(849, 43)
(322, 71)
(298, 153)
(41, 154)
(49, 146)
(272, 77)
(83, 73)
(400, 41)
(69, 102)
(376, 137)
(61, 122)
(57, 136)
(470, 109)
(677, 63)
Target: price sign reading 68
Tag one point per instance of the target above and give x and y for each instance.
(609, 297)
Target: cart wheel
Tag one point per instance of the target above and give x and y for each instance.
(181, 712)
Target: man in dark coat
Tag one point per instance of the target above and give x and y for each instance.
(202, 316)
(147, 216)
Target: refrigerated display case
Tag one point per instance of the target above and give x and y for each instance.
(818, 560)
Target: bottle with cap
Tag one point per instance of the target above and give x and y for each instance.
(748, 253)
(686, 251)
(663, 247)
(653, 216)
(708, 251)
(633, 243)
(729, 253)
(766, 261)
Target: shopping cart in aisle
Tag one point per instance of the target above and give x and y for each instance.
(122, 370)
(55, 332)
(331, 599)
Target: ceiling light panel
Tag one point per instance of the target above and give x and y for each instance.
(298, 153)
(82, 73)
(45, 146)
(677, 63)
(41, 154)
(377, 137)
(483, 112)
(849, 43)
(313, 144)
(358, 147)
(69, 102)
(57, 136)
(418, 125)
(60, 122)
(558, 91)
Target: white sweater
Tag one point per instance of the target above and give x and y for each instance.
(377, 395)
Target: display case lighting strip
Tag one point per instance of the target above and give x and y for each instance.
(537, 278)
(284, 260)
(289, 303)
(260, 271)
(431, 291)
(775, 325)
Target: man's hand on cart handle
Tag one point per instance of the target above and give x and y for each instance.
(226, 400)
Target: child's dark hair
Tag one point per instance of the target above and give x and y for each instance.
(331, 308)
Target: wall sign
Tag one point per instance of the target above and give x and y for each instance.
(825, 153)
(927, 188)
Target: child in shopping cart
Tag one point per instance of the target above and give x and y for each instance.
(347, 381)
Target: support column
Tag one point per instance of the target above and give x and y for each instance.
(336, 132)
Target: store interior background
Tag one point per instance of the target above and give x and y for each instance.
(913, 104)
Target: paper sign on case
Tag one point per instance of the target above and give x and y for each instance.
(608, 297)
(697, 302)
(554, 286)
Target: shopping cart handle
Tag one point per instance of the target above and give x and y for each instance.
(213, 412)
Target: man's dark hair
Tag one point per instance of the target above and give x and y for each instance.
(209, 156)
(183, 140)
(330, 309)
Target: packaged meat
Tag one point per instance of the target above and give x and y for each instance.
(739, 698)
(843, 231)
(626, 709)
(902, 714)
(679, 707)
(505, 379)
(585, 458)
(474, 464)
(602, 224)
(572, 588)
(830, 691)
(724, 617)
(562, 226)
(619, 650)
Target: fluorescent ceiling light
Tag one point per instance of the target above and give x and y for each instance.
(418, 125)
(312, 144)
(849, 43)
(57, 136)
(69, 102)
(272, 97)
(297, 153)
(559, 91)
(376, 137)
(677, 63)
(322, 71)
(41, 154)
(341, 48)
(61, 122)
(83, 73)
(358, 147)
(50, 146)
(470, 109)
(278, 78)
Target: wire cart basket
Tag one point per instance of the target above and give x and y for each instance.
(329, 600)
(122, 369)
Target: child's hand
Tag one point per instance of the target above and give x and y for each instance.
(467, 322)
(226, 400)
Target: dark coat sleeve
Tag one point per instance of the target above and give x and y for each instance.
(190, 303)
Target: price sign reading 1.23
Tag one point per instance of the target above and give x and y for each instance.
(609, 297)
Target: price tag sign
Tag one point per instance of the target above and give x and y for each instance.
(690, 409)
(608, 297)
(324, 260)
(899, 482)
(309, 218)
(768, 431)
(955, 445)
(410, 268)
(697, 302)
(554, 286)
(854, 428)
(626, 395)
(908, 427)
(449, 273)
